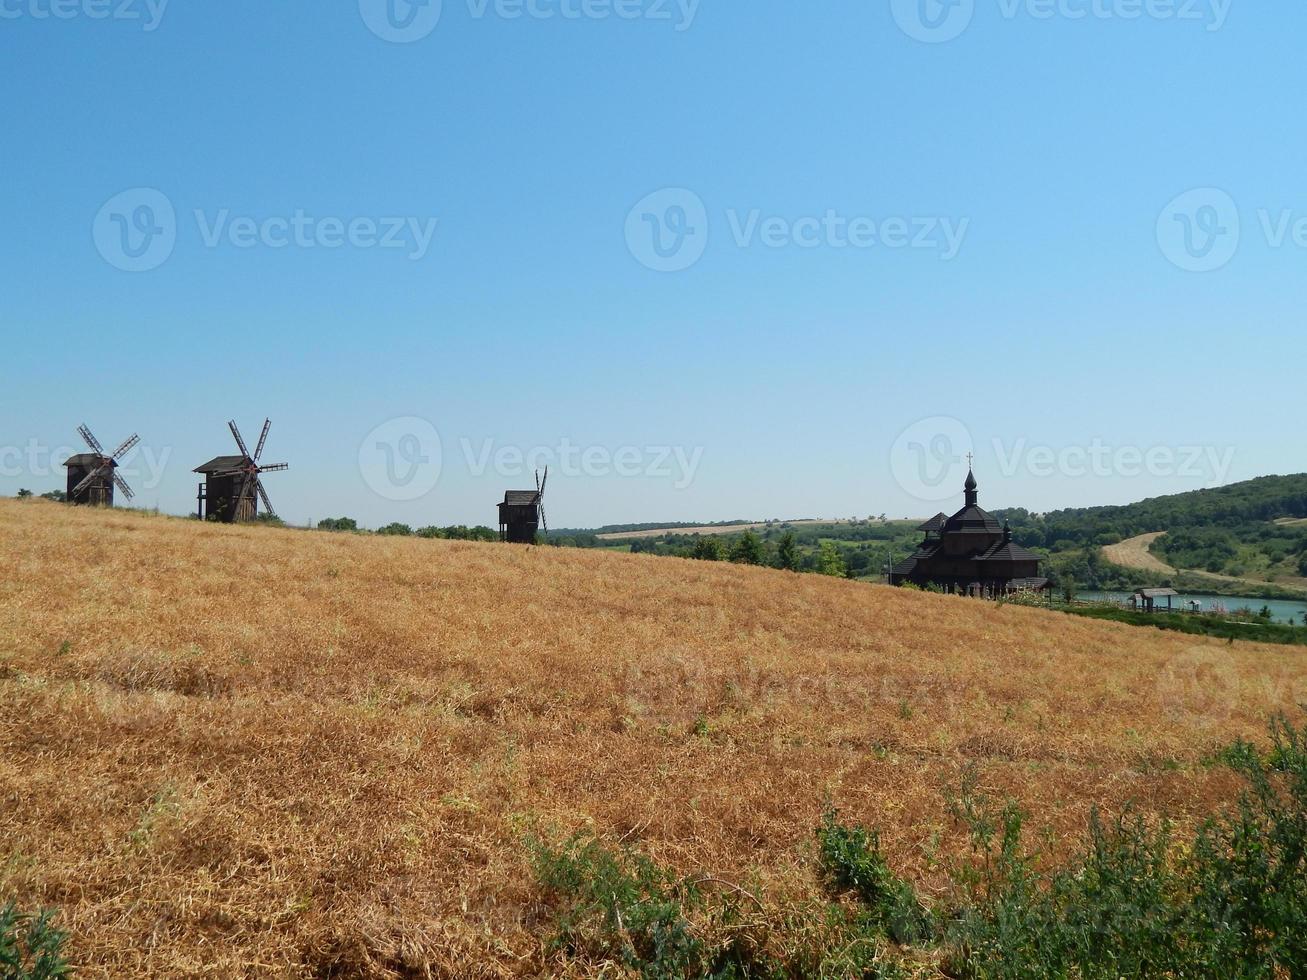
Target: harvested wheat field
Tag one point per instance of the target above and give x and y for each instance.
(244, 751)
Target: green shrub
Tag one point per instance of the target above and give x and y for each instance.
(31, 947)
(851, 861)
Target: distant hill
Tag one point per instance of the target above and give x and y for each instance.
(1267, 498)
(1250, 532)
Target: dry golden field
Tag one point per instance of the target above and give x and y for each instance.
(241, 751)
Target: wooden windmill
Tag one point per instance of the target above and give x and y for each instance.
(91, 476)
(522, 513)
(232, 489)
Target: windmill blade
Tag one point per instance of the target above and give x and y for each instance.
(543, 482)
(236, 472)
(121, 484)
(91, 477)
(543, 520)
(126, 447)
(274, 467)
(239, 441)
(90, 440)
(263, 495)
(263, 437)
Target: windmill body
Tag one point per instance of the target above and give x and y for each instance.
(92, 477)
(99, 469)
(232, 488)
(523, 512)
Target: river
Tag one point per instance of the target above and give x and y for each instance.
(1282, 610)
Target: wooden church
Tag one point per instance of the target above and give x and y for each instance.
(970, 553)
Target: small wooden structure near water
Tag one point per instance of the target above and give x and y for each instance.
(1145, 600)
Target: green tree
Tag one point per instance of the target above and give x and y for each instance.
(830, 561)
(396, 530)
(787, 552)
(56, 495)
(708, 549)
(338, 524)
(1302, 565)
(747, 550)
(23, 492)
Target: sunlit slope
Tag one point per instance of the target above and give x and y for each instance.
(251, 751)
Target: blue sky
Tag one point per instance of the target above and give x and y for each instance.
(1020, 285)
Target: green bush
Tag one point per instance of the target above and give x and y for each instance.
(851, 861)
(31, 947)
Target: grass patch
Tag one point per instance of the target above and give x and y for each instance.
(1137, 901)
(1199, 625)
(31, 947)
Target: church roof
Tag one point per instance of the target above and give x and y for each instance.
(1008, 550)
(973, 518)
(934, 524)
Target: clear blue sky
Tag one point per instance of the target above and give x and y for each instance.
(1063, 321)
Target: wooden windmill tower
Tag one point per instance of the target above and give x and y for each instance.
(523, 513)
(231, 490)
(91, 476)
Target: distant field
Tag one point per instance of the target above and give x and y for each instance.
(1134, 553)
(658, 532)
(248, 751)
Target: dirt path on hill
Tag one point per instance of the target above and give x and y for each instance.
(1134, 553)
